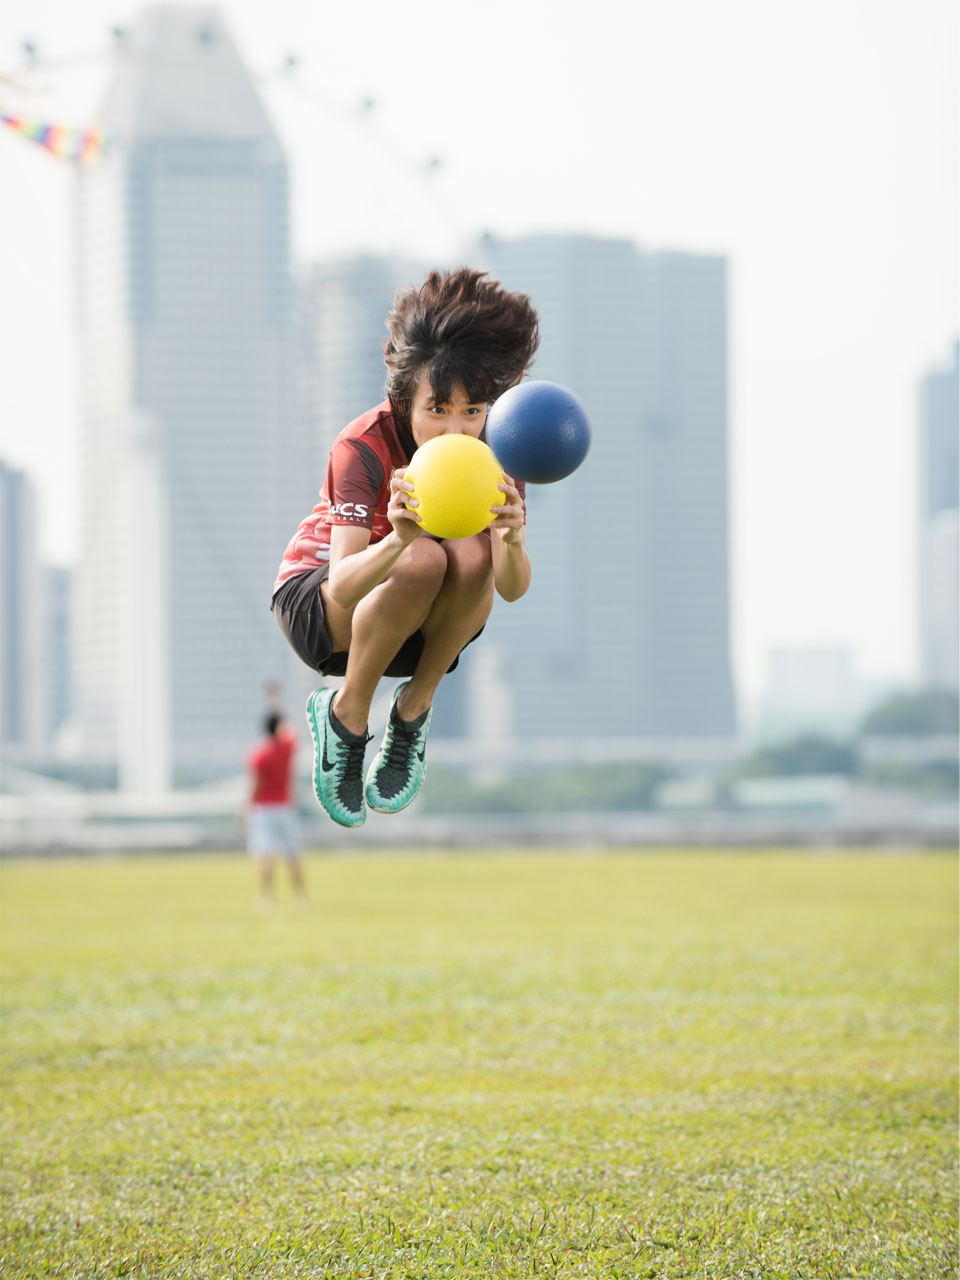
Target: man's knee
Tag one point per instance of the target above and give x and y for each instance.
(421, 568)
(470, 563)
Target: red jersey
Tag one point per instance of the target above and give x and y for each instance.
(270, 763)
(356, 490)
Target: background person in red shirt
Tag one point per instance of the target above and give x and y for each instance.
(271, 810)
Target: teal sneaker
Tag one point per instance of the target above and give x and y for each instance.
(337, 761)
(400, 767)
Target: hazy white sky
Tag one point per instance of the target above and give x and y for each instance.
(815, 142)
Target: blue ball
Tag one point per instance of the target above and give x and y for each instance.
(538, 432)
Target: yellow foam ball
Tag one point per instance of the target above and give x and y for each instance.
(455, 480)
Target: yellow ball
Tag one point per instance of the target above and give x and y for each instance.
(455, 480)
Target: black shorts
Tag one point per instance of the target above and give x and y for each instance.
(298, 609)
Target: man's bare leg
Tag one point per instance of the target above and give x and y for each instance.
(458, 612)
(460, 609)
(296, 879)
(265, 878)
(379, 625)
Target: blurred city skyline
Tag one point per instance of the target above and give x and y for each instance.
(815, 146)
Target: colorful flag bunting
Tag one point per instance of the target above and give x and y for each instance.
(79, 146)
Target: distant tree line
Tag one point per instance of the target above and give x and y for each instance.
(591, 788)
(931, 713)
(632, 786)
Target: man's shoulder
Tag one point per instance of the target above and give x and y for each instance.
(369, 448)
(285, 741)
(376, 424)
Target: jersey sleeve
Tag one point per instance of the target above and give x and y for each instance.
(355, 480)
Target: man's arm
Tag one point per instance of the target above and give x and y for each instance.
(508, 544)
(512, 570)
(356, 564)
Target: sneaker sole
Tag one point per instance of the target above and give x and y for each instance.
(379, 809)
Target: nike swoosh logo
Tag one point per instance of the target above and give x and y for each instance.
(327, 764)
(422, 755)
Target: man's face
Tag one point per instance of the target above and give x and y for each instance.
(457, 416)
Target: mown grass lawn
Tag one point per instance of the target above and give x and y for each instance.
(651, 1065)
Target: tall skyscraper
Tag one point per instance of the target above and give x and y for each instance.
(625, 631)
(58, 613)
(23, 711)
(187, 449)
(939, 521)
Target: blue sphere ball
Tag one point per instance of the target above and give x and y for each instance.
(538, 432)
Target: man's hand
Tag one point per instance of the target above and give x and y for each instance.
(407, 524)
(509, 516)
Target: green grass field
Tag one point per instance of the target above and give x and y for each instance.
(626, 1065)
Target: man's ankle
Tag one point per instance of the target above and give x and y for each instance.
(409, 710)
(349, 720)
